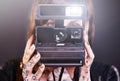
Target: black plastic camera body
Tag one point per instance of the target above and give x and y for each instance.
(60, 45)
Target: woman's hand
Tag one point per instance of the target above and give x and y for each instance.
(28, 63)
(89, 57)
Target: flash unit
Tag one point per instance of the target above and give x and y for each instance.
(61, 11)
(74, 11)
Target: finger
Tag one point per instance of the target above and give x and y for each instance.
(32, 62)
(86, 32)
(86, 54)
(39, 73)
(29, 42)
(86, 27)
(87, 60)
(90, 54)
(87, 45)
(28, 54)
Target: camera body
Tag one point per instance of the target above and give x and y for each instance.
(60, 45)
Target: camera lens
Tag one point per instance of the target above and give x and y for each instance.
(60, 35)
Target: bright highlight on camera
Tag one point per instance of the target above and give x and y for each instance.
(74, 11)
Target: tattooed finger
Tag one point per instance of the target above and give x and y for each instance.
(28, 53)
(32, 62)
(40, 71)
(29, 42)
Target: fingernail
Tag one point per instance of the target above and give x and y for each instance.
(42, 66)
(37, 55)
(33, 46)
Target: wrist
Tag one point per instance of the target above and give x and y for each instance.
(85, 74)
(85, 77)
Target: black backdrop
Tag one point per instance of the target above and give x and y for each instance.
(14, 18)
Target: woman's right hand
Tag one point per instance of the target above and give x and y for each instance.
(29, 63)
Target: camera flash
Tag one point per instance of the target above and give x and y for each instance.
(74, 11)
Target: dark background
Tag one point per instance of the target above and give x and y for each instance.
(14, 18)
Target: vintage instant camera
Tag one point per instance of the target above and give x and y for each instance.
(62, 43)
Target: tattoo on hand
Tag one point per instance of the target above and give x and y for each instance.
(34, 78)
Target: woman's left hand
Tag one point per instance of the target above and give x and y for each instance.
(89, 57)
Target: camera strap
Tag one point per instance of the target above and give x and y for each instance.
(76, 74)
(60, 76)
